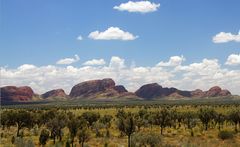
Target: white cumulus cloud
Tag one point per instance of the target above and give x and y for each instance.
(68, 60)
(173, 61)
(26, 67)
(138, 6)
(117, 62)
(223, 37)
(95, 62)
(203, 75)
(112, 33)
(233, 59)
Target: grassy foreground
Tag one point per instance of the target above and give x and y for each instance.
(182, 123)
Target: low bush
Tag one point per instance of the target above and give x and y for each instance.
(225, 135)
(146, 139)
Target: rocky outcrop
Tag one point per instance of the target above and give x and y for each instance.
(16, 94)
(120, 89)
(225, 93)
(150, 91)
(88, 88)
(56, 93)
(216, 91)
(197, 93)
(154, 90)
(104, 88)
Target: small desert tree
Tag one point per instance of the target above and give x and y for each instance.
(83, 136)
(52, 125)
(127, 125)
(7, 118)
(190, 121)
(220, 119)
(106, 120)
(22, 118)
(43, 137)
(140, 118)
(46, 116)
(90, 117)
(206, 115)
(73, 125)
(234, 116)
(163, 118)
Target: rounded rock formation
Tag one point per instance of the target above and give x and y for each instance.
(225, 93)
(88, 88)
(198, 93)
(214, 91)
(54, 93)
(120, 89)
(15, 94)
(149, 91)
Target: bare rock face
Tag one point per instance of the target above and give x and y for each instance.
(16, 94)
(198, 93)
(120, 89)
(54, 93)
(225, 93)
(88, 88)
(217, 91)
(104, 88)
(176, 95)
(149, 91)
(101, 89)
(214, 91)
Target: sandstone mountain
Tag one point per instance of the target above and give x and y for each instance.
(154, 90)
(56, 93)
(13, 93)
(104, 88)
(107, 89)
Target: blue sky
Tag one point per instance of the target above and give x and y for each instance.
(42, 32)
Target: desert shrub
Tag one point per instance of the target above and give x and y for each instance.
(29, 143)
(105, 144)
(146, 139)
(34, 130)
(225, 135)
(67, 144)
(97, 127)
(21, 133)
(13, 139)
(20, 142)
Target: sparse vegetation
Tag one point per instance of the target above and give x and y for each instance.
(128, 125)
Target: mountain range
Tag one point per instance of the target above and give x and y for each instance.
(106, 89)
